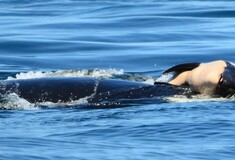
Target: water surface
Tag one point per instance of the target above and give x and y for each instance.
(135, 40)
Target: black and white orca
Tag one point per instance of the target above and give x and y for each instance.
(213, 78)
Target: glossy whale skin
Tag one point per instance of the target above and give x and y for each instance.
(67, 89)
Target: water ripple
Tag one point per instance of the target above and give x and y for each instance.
(134, 36)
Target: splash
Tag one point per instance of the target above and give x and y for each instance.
(13, 101)
(164, 78)
(99, 73)
(71, 104)
(197, 98)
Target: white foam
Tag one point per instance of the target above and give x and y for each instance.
(197, 98)
(13, 101)
(149, 81)
(70, 104)
(164, 78)
(68, 73)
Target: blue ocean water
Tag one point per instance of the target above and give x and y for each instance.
(134, 40)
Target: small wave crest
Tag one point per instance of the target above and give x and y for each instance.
(164, 78)
(97, 73)
(197, 98)
(12, 101)
(101, 73)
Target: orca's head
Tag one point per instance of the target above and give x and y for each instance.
(226, 85)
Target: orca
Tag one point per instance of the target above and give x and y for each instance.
(212, 78)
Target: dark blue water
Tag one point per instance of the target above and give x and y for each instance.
(124, 39)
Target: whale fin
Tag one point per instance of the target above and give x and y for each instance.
(182, 68)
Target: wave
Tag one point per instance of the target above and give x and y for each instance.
(145, 77)
(198, 98)
(99, 73)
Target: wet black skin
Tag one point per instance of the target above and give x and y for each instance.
(226, 86)
(68, 89)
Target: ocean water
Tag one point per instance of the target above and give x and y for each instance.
(126, 39)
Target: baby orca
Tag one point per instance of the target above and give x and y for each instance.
(212, 78)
